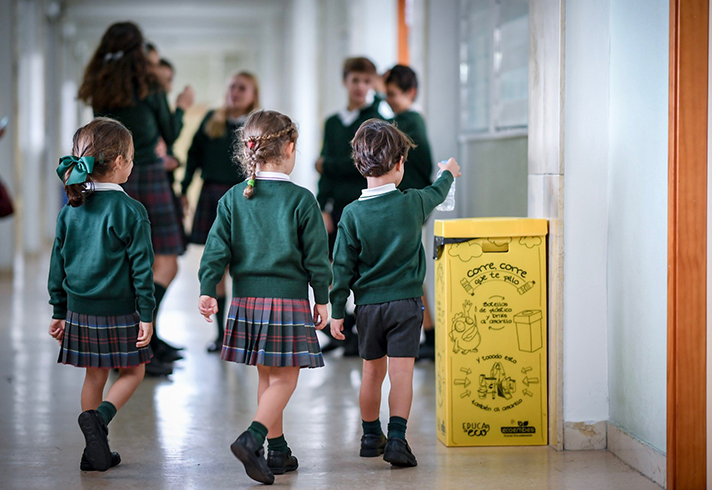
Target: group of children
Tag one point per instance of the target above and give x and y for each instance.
(272, 236)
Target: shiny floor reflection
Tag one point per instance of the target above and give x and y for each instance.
(175, 432)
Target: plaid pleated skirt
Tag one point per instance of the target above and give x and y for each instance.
(102, 341)
(206, 210)
(149, 185)
(271, 332)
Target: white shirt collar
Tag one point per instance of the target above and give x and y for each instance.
(262, 175)
(376, 191)
(108, 186)
(348, 117)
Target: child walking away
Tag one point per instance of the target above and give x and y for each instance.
(271, 234)
(340, 183)
(401, 91)
(100, 280)
(379, 255)
(211, 152)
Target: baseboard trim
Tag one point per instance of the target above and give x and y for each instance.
(637, 454)
(584, 436)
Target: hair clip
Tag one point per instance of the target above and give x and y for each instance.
(113, 56)
(250, 144)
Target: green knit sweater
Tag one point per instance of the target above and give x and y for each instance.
(275, 244)
(102, 258)
(213, 156)
(378, 252)
(340, 181)
(148, 119)
(419, 165)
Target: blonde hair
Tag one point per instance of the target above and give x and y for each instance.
(217, 124)
(262, 140)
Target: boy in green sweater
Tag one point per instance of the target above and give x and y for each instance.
(401, 91)
(379, 255)
(340, 183)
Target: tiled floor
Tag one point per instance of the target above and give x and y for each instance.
(175, 432)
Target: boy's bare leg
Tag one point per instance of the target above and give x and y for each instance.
(374, 372)
(400, 373)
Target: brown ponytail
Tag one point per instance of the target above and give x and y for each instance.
(262, 140)
(104, 139)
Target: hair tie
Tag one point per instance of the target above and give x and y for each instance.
(113, 56)
(251, 182)
(83, 166)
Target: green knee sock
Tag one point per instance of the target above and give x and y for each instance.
(259, 431)
(396, 427)
(278, 444)
(373, 428)
(107, 410)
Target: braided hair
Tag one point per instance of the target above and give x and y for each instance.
(262, 140)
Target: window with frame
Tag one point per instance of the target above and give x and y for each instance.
(494, 66)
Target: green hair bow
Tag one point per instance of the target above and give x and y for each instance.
(83, 166)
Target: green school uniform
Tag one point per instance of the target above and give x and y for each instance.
(214, 156)
(340, 182)
(419, 165)
(148, 119)
(274, 243)
(102, 258)
(378, 252)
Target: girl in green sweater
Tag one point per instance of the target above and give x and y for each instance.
(270, 233)
(100, 280)
(120, 82)
(211, 152)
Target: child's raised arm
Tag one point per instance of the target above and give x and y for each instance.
(436, 193)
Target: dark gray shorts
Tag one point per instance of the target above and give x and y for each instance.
(391, 329)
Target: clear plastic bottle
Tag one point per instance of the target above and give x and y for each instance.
(449, 203)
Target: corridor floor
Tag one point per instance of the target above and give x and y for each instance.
(175, 432)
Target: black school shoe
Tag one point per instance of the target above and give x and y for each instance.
(95, 433)
(279, 463)
(398, 453)
(85, 466)
(372, 445)
(252, 455)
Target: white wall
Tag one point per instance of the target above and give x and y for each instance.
(586, 210)
(637, 238)
(7, 100)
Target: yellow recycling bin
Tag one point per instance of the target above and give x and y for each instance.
(490, 320)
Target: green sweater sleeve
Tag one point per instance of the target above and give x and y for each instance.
(169, 124)
(315, 246)
(195, 157)
(140, 254)
(434, 194)
(217, 253)
(57, 294)
(346, 251)
(323, 194)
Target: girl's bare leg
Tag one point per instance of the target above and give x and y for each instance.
(274, 398)
(125, 385)
(93, 389)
